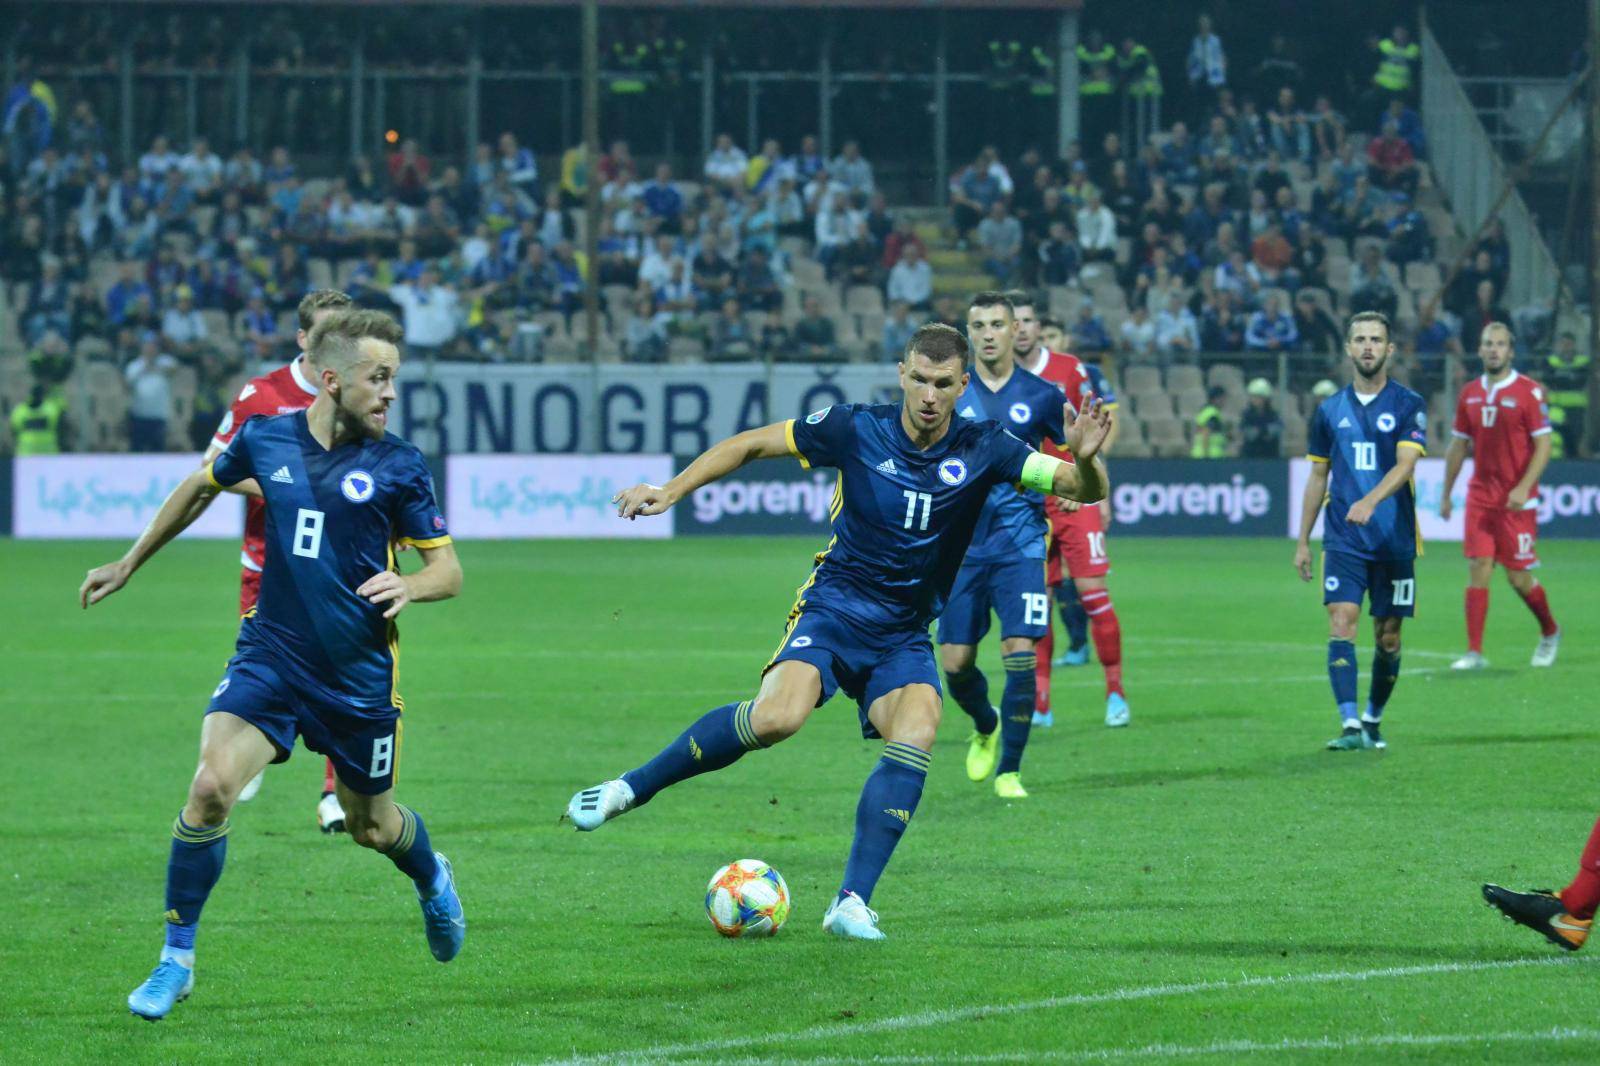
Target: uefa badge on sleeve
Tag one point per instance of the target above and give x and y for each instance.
(817, 416)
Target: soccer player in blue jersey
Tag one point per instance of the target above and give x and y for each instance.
(1004, 568)
(913, 481)
(316, 658)
(1364, 444)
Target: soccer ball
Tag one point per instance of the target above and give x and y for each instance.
(747, 898)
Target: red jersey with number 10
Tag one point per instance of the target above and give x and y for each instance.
(1501, 420)
(281, 392)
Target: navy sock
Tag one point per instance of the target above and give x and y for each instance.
(718, 739)
(888, 800)
(1385, 672)
(1342, 675)
(1016, 709)
(193, 866)
(971, 692)
(1073, 616)
(413, 853)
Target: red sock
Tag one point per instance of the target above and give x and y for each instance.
(1477, 611)
(1540, 607)
(1041, 670)
(1582, 896)
(1106, 633)
(327, 777)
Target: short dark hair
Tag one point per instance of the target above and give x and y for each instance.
(1370, 316)
(992, 298)
(320, 300)
(1021, 298)
(937, 342)
(335, 341)
(1051, 322)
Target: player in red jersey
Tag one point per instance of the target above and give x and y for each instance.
(288, 388)
(1505, 418)
(1077, 536)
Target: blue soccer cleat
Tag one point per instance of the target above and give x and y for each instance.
(168, 985)
(1044, 719)
(1117, 713)
(442, 917)
(1072, 657)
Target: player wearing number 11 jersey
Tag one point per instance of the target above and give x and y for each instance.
(913, 481)
(1365, 442)
(316, 657)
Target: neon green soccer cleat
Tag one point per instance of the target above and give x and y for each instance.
(983, 752)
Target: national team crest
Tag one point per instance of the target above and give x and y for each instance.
(1386, 422)
(800, 642)
(952, 471)
(1021, 412)
(220, 689)
(817, 416)
(1331, 584)
(357, 486)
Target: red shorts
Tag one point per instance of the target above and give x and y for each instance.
(1077, 545)
(1511, 537)
(249, 589)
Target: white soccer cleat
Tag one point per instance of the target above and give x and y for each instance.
(593, 807)
(248, 792)
(852, 919)
(330, 816)
(1117, 712)
(1545, 653)
(1475, 661)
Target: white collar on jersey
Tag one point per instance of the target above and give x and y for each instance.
(300, 377)
(1490, 390)
(1044, 361)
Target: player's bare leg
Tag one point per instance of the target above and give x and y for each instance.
(970, 689)
(232, 751)
(379, 823)
(1479, 570)
(908, 719)
(1532, 594)
(1343, 618)
(787, 696)
(1106, 631)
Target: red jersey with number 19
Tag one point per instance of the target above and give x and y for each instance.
(1501, 420)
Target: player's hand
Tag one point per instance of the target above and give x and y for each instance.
(1360, 512)
(1302, 561)
(1445, 507)
(642, 500)
(386, 587)
(1067, 505)
(1517, 498)
(1088, 431)
(101, 582)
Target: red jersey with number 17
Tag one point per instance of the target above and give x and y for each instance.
(1066, 372)
(1502, 421)
(281, 392)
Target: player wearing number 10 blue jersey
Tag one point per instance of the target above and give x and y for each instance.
(1364, 444)
(913, 481)
(316, 657)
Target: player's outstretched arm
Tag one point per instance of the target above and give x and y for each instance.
(1405, 465)
(1310, 507)
(1454, 456)
(439, 579)
(717, 461)
(181, 508)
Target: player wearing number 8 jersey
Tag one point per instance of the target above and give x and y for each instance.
(316, 658)
(913, 481)
(1365, 440)
(1505, 419)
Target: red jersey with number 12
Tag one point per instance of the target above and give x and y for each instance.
(1501, 420)
(281, 392)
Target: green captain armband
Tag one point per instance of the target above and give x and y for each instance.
(1039, 472)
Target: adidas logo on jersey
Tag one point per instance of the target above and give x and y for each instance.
(886, 467)
(1344, 423)
(282, 476)
(967, 412)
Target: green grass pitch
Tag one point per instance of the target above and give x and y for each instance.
(1208, 883)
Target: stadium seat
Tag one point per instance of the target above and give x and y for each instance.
(864, 300)
(1150, 406)
(685, 350)
(808, 274)
(1225, 375)
(1184, 376)
(1168, 437)
(319, 272)
(1423, 277)
(1141, 379)
(1188, 402)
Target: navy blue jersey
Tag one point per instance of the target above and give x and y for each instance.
(1100, 385)
(1360, 442)
(1013, 522)
(902, 517)
(331, 518)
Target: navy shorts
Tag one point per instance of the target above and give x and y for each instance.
(866, 662)
(1390, 584)
(1014, 589)
(363, 742)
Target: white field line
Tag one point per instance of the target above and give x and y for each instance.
(1177, 1051)
(935, 1018)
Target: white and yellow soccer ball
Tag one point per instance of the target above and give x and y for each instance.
(747, 898)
